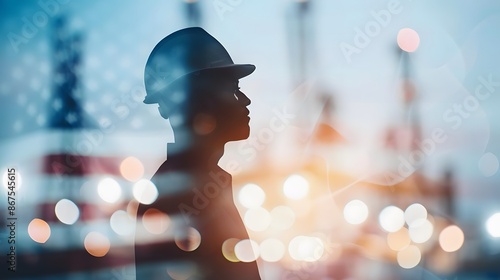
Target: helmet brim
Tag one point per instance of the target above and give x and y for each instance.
(237, 71)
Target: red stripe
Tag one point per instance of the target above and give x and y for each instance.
(79, 165)
(79, 260)
(69, 261)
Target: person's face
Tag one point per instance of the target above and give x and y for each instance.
(223, 111)
(163, 108)
(211, 106)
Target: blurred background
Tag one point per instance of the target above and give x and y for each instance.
(372, 151)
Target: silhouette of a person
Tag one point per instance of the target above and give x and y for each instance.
(191, 229)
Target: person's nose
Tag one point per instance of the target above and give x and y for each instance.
(243, 99)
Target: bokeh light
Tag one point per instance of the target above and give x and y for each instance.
(251, 196)
(122, 223)
(421, 232)
(391, 218)
(39, 230)
(415, 213)
(295, 187)
(155, 221)
(399, 240)
(355, 212)
(257, 219)
(131, 169)
(408, 39)
(488, 164)
(247, 250)
(493, 225)
(451, 238)
(228, 249)
(272, 250)
(19, 180)
(96, 244)
(182, 271)
(282, 217)
(189, 241)
(66, 211)
(145, 191)
(109, 190)
(306, 248)
(409, 257)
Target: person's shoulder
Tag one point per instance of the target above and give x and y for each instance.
(165, 167)
(172, 181)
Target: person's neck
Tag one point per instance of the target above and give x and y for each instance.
(200, 150)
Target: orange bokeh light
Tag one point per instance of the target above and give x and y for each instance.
(189, 241)
(451, 239)
(408, 39)
(155, 221)
(96, 244)
(131, 169)
(39, 230)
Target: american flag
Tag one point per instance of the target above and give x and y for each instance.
(75, 170)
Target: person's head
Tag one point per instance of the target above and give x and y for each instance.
(207, 105)
(194, 81)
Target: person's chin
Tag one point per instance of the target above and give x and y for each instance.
(241, 134)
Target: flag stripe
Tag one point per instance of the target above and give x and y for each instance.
(78, 165)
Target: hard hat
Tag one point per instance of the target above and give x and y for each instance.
(182, 53)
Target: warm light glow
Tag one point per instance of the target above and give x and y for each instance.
(132, 207)
(251, 196)
(96, 244)
(372, 246)
(257, 219)
(131, 169)
(391, 218)
(204, 124)
(493, 225)
(145, 191)
(247, 250)
(67, 212)
(272, 250)
(109, 190)
(398, 240)
(355, 212)
(155, 221)
(282, 217)
(409, 257)
(306, 248)
(122, 223)
(296, 187)
(421, 232)
(451, 239)
(408, 39)
(19, 180)
(189, 241)
(302, 209)
(414, 214)
(39, 230)
(228, 249)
